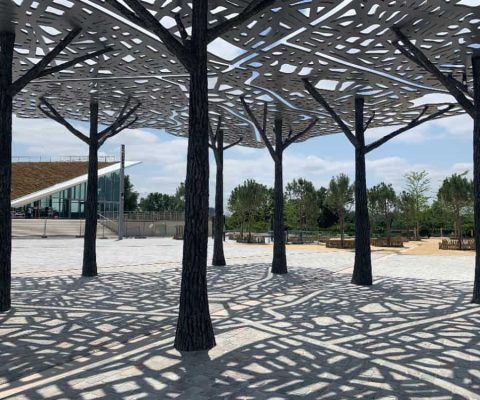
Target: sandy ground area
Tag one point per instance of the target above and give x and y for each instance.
(426, 247)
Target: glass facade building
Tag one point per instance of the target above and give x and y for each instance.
(69, 203)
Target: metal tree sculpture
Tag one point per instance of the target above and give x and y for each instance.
(362, 270)
(470, 102)
(194, 327)
(94, 141)
(218, 148)
(432, 45)
(276, 150)
(8, 89)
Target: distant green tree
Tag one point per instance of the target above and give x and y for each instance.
(326, 218)
(131, 196)
(340, 198)
(247, 202)
(417, 186)
(456, 194)
(438, 218)
(264, 221)
(382, 201)
(302, 204)
(406, 208)
(158, 202)
(161, 202)
(180, 197)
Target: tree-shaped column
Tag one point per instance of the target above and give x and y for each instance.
(194, 326)
(470, 102)
(8, 89)
(276, 149)
(362, 270)
(218, 148)
(125, 119)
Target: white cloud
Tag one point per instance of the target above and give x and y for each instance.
(459, 126)
(42, 137)
(164, 157)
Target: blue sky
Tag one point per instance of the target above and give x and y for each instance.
(440, 147)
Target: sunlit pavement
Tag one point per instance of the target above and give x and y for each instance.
(309, 334)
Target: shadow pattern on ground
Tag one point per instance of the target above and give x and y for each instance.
(309, 334)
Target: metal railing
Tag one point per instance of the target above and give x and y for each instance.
(145, 224)
(48, 227)
(147, 216)
(57, 227)
(61, 159)
(106, 223)
(291, 236)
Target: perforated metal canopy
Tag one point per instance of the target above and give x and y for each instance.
(361, 36)
(344, 48)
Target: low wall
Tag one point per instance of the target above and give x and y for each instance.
(150, 228)
(384, 242)
(454, 244)
(337, 243)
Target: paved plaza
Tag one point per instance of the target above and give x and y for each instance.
(309, 334)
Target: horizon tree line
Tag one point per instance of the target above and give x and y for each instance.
(412, 211)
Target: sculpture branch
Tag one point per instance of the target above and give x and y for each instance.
(103, 139)
(213, 141)
(425, 109)
(55, 115)
(265, 116)
(37, 69)
(213, 137)
(124, 108)
(119, 122)
(77, 60)
(414, 123)
(233, 144)
(462, 85)
(413, 53)
(290, 132)
(261, 130)
(294, 138)
(428, 66)
(370, 120)
(144, 18)
(418, 57)
(255, 7)
(320, 99)
(181, 29)
(219, 125)
(126, 12)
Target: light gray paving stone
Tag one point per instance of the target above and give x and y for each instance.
(308, 335)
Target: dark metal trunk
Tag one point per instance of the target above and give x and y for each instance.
(342, 228)
(388, 229)
(476, 175)
(218, 254)
(279, 263)
(362, 270)
(7, 41)
(459, 226)
(90, 240)
(194, 326)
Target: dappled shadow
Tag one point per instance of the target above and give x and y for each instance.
(309, 334)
